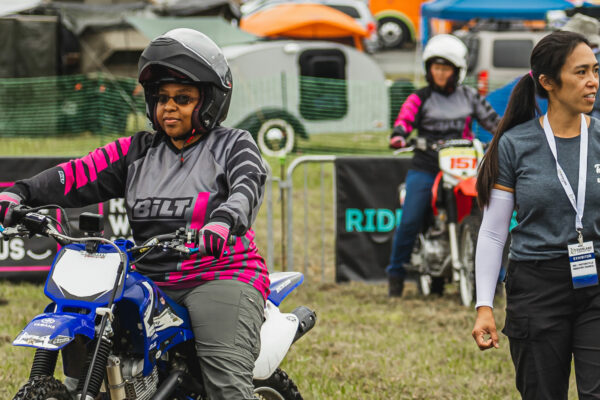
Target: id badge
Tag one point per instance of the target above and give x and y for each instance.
(583, 265)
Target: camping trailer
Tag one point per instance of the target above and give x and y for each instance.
(283, 90)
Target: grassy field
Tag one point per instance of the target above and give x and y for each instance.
(364, 346)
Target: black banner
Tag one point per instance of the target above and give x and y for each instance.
(368, 211)
(31, 258)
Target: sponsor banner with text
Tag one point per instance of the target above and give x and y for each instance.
(31, 258)
(368, 211)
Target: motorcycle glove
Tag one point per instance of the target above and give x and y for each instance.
(399, 131)
(397, 142)
(214, 237)
(7, 202)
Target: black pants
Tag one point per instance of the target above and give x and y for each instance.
(548, 322)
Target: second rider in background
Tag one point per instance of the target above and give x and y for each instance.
(442, 110)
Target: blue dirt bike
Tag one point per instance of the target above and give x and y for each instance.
(119, 336)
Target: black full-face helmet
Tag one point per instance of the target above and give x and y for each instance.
(189, 57)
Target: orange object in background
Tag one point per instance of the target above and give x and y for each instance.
(304, 21)
(397, 20)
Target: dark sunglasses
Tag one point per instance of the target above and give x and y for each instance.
(180, 99)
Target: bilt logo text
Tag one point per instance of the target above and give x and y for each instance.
(157, 208)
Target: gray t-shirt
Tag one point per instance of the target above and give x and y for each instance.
(545, 216)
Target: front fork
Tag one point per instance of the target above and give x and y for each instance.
(44, 363)
(454, 252)
(453, 233)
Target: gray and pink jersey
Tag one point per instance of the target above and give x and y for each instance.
(219, 178)
(440, 116)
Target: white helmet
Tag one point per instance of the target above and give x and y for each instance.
(450, 48)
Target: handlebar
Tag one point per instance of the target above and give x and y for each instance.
(423, 144)
(30, 223)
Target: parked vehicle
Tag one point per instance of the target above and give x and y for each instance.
(397, 21)
(497, 57)
(306, 86)
(119, 336)
(356, 9)
(445, 249)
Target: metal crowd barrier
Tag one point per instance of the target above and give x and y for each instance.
(286, 192)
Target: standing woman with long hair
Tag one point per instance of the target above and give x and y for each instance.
(545, 167)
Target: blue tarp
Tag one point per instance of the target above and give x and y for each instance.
(464, 10)
(499, 100)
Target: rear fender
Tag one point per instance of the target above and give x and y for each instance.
(276, 336)
(282, 284)
(53, 331)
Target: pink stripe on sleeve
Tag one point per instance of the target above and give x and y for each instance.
(408, 112)
(80, 176)
(99, 159)
(89, 161)
(111, 150)
(96, 162)
(125, 143)
(69, 177)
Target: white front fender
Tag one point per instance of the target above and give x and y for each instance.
(276, 336)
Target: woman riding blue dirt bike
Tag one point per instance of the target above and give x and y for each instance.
(194, 174)
(119, 336)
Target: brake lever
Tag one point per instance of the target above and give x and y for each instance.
(403, 150)
(182, 249)
(8, 233)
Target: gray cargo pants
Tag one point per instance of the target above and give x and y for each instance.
(226, 317)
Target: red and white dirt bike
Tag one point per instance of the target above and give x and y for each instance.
(445, 248)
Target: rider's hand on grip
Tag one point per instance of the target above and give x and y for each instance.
(6, 205)
(397, 142)
(214, 237)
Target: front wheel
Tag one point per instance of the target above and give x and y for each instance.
(392, 33)
(278, 386)
(43, 388)
(468, 243)
(426, 284)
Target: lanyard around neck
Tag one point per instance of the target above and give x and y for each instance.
(578, 203)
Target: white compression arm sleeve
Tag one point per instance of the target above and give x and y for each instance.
(490, 245)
